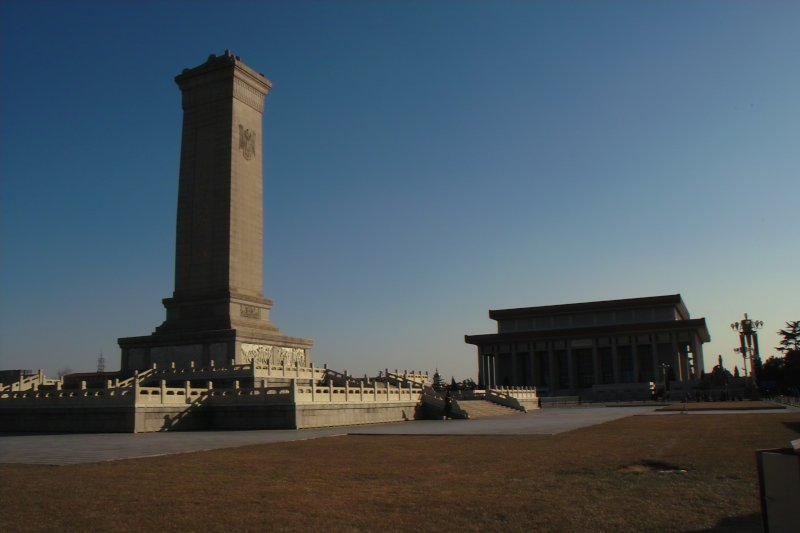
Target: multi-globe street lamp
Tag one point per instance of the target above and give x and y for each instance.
(748, 342)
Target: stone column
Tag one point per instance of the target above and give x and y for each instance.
(598, 370)
(480, 365)
(677, 364)
(514, 374)
(494, 367)
(551, 360)
(615, 359)
(571, 367)
(657, 374)
(635, 357)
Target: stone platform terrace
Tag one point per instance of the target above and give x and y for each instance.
(62, 449)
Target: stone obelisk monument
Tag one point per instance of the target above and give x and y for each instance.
(218, 312)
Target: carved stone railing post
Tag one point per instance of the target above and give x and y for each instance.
(330, 390)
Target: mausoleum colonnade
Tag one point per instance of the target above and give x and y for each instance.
(574, 363)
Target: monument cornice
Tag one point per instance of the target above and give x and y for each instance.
(219, 296)
(225, 63)
(223, 77)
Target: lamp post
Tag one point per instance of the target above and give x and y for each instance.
(745, 356)
(748, 341)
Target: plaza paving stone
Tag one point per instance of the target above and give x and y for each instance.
(63, 449)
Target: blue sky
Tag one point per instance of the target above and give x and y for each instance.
(424, 162)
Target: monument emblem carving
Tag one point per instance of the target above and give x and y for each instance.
(247, 142)
(275, 355)
(249, 311)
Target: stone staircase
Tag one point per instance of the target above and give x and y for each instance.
(485, 409)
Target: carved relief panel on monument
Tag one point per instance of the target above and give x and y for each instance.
(247, 142)
(264, 354)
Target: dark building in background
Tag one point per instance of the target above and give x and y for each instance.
(592, 348)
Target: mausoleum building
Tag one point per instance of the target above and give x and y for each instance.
(592, 348)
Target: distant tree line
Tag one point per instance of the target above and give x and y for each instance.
(440, 385)
(781, 374)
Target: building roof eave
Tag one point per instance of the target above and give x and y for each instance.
(669, 299)
(696, 324)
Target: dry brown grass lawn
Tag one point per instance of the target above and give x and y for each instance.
(723, 406)
(577, 481)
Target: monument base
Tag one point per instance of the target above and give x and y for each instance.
(214, 330)
(211, 348)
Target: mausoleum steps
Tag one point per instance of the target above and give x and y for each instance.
(485, 409)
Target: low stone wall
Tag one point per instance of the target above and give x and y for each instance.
(252, 417)
(620, 392)
(75, 419)
(286, 416)
(559, 401)
(170, 418)
(327, 415)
